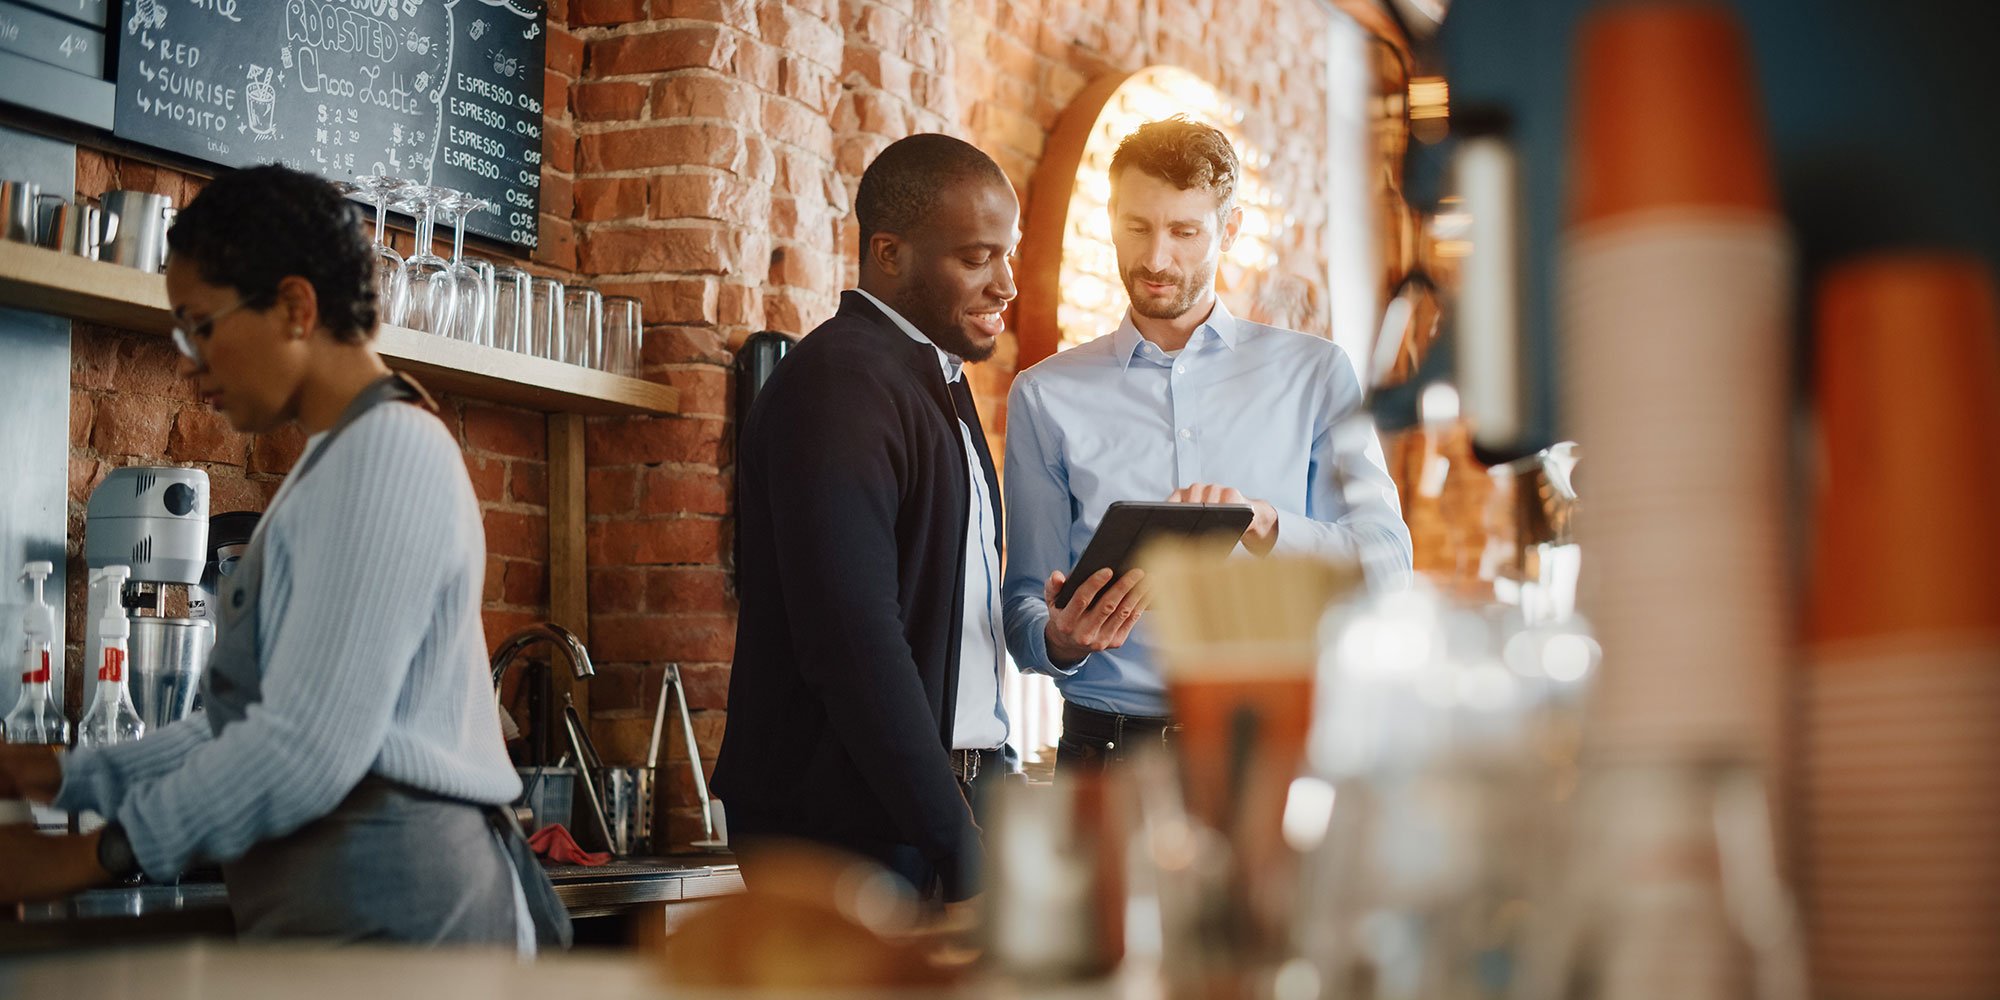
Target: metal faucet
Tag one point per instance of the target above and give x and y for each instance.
(555, 635)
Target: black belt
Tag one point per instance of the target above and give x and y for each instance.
(965, 764)
(1113, 728)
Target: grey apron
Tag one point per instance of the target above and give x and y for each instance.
(390, 863)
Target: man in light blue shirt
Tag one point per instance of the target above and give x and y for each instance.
(1183, 402)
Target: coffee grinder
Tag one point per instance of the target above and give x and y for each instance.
(155, 521)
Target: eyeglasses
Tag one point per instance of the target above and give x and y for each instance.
(185, 332)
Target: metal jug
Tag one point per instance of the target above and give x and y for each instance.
(79, 227)
(140, 237)
(20, 208)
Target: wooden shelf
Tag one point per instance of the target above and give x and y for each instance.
(42, 280)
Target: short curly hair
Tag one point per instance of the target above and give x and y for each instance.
(1185, 153)
(902, 187)
(250, 229)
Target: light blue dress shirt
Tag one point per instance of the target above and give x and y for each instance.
(1259, 408)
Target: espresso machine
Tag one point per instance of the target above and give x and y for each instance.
(155, 521)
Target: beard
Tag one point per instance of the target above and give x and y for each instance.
(1187, 291)
(939, 319)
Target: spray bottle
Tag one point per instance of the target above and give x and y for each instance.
(111, 718)
(37, 716)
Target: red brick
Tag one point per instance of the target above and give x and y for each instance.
(705, 389)
(517, 536)
(736, 305)
(203, 435)
(84, 475)
(865, 66)
(653, 51)
(527, 583)
(510, 432)
(528, 483)
(558, 147)
(276, 451)
(881, 26)
(82, 414)
(556, 242)
(132, 425)
(603, 198)
(800, 267)
(698, 249)
(489, 477)
(96, 172)
(786, 311)
(610, 491)
(93, 356)
(704, 195)
(494, 583)
(686, 588)
(610, 100)
(705, 95)
(599, 12)
(681, 301)
(680, 491)
(675, 145)
(680, 344)
(707, 685)
(564, 52)
(703, 638)
(618, 589)
(739, 14)
(799, 31)
(707, 738)
(756, 65)
(231, 493)
(758, 166)
(501, 624)
(150, 365)
(644, 543)
(649, 440)
(810, 83)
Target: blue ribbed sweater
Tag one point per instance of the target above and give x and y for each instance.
(372, 654)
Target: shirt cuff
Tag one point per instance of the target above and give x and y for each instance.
(85, 782)
(1037, 640)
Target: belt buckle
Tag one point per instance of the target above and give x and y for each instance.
(965, 764)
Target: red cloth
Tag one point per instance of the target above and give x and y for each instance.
(555, 845)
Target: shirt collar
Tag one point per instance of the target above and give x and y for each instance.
(952, 365)
(1221, 324)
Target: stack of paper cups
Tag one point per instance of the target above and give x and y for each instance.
(1674, 308)
(1901, 787)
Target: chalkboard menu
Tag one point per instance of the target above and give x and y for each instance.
(444, 92)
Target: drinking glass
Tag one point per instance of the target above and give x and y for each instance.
(471, 279)
(547, 333)
(583, 308)
(512, 295)
(624, 333)
(426, 290)
(379, 188)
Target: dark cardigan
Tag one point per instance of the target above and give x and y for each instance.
(850, 567)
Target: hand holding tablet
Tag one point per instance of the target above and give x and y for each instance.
(1095, 605)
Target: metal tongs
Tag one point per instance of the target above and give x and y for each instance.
(588, 764)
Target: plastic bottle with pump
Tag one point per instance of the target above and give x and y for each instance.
(111, 718)
(37, 716)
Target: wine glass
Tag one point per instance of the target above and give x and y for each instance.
(378, 187)
(473, 279)
(426, 291)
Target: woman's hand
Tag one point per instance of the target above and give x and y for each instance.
(35, 866)
(29, 771)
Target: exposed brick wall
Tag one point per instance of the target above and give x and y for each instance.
(719, 143)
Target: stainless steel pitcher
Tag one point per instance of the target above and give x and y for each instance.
(167, 658)
(140, 237)
(20, 208)
(79, 227)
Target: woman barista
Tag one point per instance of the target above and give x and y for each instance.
(347, 765)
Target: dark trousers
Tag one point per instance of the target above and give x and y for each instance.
(1093, 740)
(905, 860)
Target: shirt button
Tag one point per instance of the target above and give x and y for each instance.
(1187, 432)
(1180, 369)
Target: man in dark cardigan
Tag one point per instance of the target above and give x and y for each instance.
(864, 698)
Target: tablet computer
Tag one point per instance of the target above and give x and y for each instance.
(1128, 526)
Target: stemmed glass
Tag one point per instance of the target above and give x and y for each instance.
(378, 187)
(426, 292)
(473, 278)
